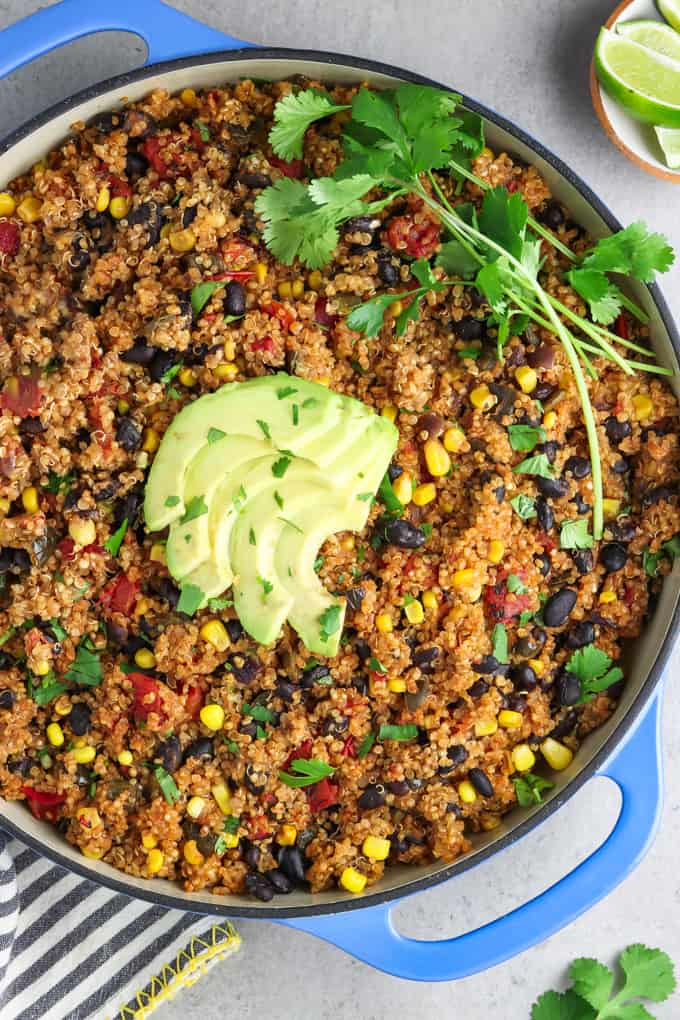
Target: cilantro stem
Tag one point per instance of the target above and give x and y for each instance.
(460, 237)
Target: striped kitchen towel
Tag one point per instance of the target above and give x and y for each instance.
(72, 950)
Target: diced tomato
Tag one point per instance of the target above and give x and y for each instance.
(280, 312)
(416, 239)
(322, 315)
(197, 140)
(303, 750)
(119, 188)
(151, 149)
(547, 541)
(265, 343)
(194, 701)
(622, 327)
(67, 548)
(234, 274)
(292, 169)
(322, 795)
(628, 595)
(502, 605)
(43, 804)
(147, 695)
(235, 248)
(9, 238)
(120, 595)
(512, 186)
(94, 547)
(22, 395)
(349, 748)
(260, 827)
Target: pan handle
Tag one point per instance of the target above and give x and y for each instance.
(370, 935)
(167, 33)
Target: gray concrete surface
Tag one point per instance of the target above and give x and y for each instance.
(530, 62)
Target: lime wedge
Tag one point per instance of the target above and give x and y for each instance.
(670, 10)
(647, 84)
(669, 140)
(652, 34)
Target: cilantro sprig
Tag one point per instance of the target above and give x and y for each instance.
(647, 974)
(306, 772)
(594, 670)
(394, 142)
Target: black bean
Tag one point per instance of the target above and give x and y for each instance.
(544, 513)
(582, 633)
(499, 493)
(469, 328)
(526, 646)
(314, 675)
(523, 677)
(292, 864)
(135, 164)
(478, 688)
(579, 467)
(5, 661)
(203, 749)
(168, 591)
(19, 766)
(71, 499)
(622, 531)
(400, 532)
(621, 466)
(107, 122)
(398, 787)
(543, 391)
(388, 272)
(234, 629)
(363, 649)
(280, 882)
(31, 427)
(285, 689)
(189, 215)
(130, 506)
(258, 886)
(139, 354)
(7, 699)
(254, 779)
(128, 434)
(116, 634)
(481, 782)
(80, 719)
(250, 853)
(424, 658)
(334, 727)
(234, 299)
(613, 556)
(550, 448)
(394, 471)
(170, 754)
(661, 494)
(583, 560)
(581, 506)
(21, 561)
(360, 684)
(617, 430)
(373, 796)
(162, 361)
(249, 729)
(568, 688)
(565, 726)
(355, 596)
(516, 703)
(552, 216)
(487, 664)
(557, 609)
(100, 227)
(554, 488)
(457, 754)
(6, 560)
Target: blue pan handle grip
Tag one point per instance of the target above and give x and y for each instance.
(370, 935)
(167, 33)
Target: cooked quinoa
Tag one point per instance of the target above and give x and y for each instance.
(154, 740)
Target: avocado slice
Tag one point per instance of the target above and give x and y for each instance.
(251, 480)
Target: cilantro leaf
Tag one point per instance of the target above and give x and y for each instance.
(259, 712)
(537, 465)
(115, 541)
(292, 116)
(503, 218)
(366, 744)
(167, 784)
(524, 506)
(216, 604)
(603, 296)
(368, 317)
(387, 497)
(388, 731)
(280, 466)
(190, 599)
(515, 585)
(306, 772)
(214, 435)
(634, 251)
(592, 667)
(499, 644)
(264, 428)
(649, 974)
(196, 507)
(329, 621)
(529, 788)
(294, 226)
(575, 535)
(201, 294)
(525, 437)
(562, 1006)
(86, 668)
(650, 560)
(592, 981)
(457, 260)
(47, 692)
(172, 501)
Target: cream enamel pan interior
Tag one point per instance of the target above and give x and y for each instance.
(644, 666)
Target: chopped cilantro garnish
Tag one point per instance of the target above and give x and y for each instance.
(515, 585)
(240, 498)
(392, 504)
(59, 483)
(215, 434)
(310, 402)
(525, 437)
(174, 370)
(329, 622)
(524, 506)
(650, 560)
(292, 525)
(318, 563)
(203, 130)
(426, 529)
(86, 668)
(190, 599)
(259, 712)
(499, 644)
(366, 497)
(264, 427)
(285, 391)
(366, 744)
(530, 788)
(293, 114)
(592, 666)
(57, 629)
(296, 414)
(575, 535)
(469, 352)
(196, 507)
(280, 466)
(47, 691)
(267, 587)
(201, 294)
(114, 543)
(536, 465)
(251, 537)
(167, 784)
(306, 772)
(376, 665)
(231, 824)
(407, 731)
(219, 603)
(172, 501)
(279, 500)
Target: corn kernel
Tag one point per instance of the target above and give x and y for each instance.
(157, 553)
(187, 377)
(402, 487)
(467, 792)
(79, 742)
(463, 579)
(212, 717)
(62, 705)
(145, 658)
(226, 372)
(430, 600)
(390, 411)
(230, 840)
(537, 666)
(55, 734)
(287, 835)
(348, 543)
(149, 841)
(323, 380)
(395, 309)
(166, 230)
(376, 848)
(155, 861)
(84, 755)
(383, 622)
(424, 494)
(396, 684)
(352, 880)
(527, 378)
(606, 597)
(82, 531)
(487, 152)
(523, 758)
(495, 551)
(188, 97)
(103, 199)
(482, 398)
(4, 507)
(414, 612)
(7, 204)
(485, 727)
(260, 272)
(150, 440)
(222, 798)
(94, 853)
(557, 755)
(549, 420)
(215, 633)
(181, 240)
(314, 280)
(298, 288)
(509, 720)
(195, 807)
(643, 406)
(42, 668)
(125, 758)
(89, 818)
(122, 407)
(284, 290)
(454, 440)
(229, 349)
(29, 499)
(119, 207)
(437, 459)
(29, 209)
(610, 508)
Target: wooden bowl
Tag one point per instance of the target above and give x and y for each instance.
(636, 140)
